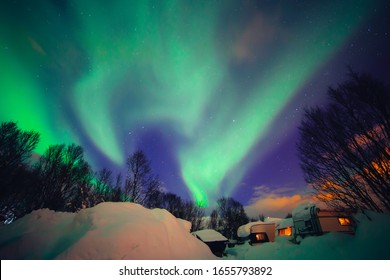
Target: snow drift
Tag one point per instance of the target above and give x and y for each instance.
(106, 231)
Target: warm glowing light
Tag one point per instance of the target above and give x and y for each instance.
(344, 221)
(261, 236)
(285, 231)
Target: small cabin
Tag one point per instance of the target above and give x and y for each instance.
(215, 240)
(311, 220)
(257, 232)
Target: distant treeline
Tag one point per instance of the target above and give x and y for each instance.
(62, 180)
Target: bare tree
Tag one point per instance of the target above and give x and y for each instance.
(213, 224)
(17, 182)
(118, 191)
(194, 214)
(65, 178)
(174, 204)
(344, 148)
(16, 145)
(230, 215)
(103, 185)
(138, 177)
(154, 194)
(186, 210)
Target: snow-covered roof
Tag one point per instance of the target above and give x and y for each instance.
(110, 230)
(245, 230)
(272, 220)
(302, 210)
(284, 223)
(209, 235)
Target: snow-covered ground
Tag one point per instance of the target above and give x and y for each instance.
(106, 231)
(130, 231)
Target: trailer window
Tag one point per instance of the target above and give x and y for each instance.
(344, 221)
(261, 237)
(285, 231)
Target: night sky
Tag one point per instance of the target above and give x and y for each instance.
(212, 91)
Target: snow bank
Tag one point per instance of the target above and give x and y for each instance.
(186, 224)
(371, 241)
(106, 231)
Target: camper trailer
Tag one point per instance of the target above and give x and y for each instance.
(308, 219)
(285, 227)
(257, 232)
(215, 240)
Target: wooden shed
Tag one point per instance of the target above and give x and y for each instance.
(212, 238)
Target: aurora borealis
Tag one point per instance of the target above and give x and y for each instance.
(211, 90)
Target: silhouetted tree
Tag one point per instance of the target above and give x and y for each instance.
(65, 178)
(138, 177)
(16, 145)
(213, 224)
(344, 148)
(118, 191)
(17, 182)
(103, 188)
(173, 203)
(186, 210)
(230, 216)
(154, 194)
(103, 179)
(261, 217)
(194, 214)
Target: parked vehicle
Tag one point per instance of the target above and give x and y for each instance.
(285, 227)
(257, 232)
(308, 219)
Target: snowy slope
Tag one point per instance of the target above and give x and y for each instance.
(106, 231)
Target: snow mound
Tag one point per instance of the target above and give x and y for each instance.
(209, 235)
(119, 230)
(186, 224)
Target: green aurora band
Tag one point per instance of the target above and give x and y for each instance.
(165, 61)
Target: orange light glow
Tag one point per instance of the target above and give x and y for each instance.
(260, 237)
(285, 231)
(344, 221)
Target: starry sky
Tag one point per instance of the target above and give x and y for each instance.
(211, 91)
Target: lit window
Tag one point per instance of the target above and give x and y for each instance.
(285, 231)
(344, 221)
(261, 237)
